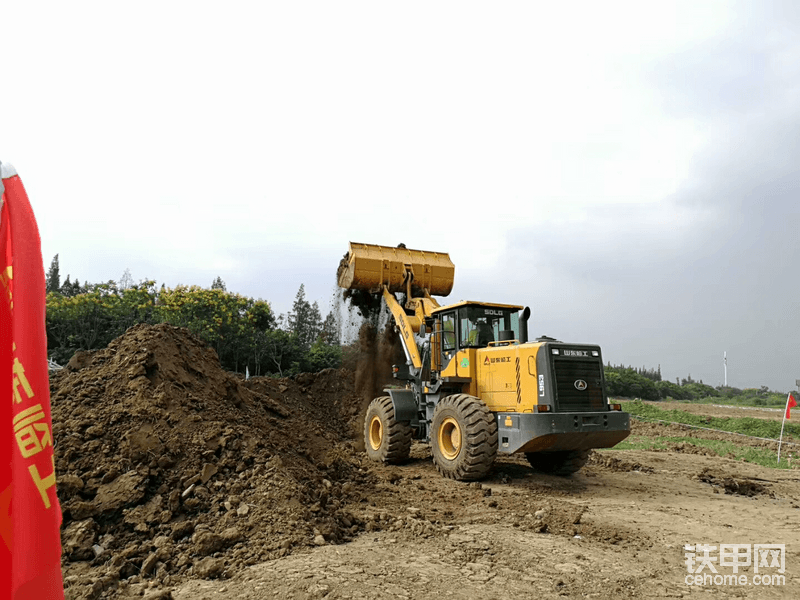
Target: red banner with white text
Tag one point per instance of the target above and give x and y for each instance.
(30, 515)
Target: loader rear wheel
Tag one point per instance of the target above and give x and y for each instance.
(558, 463)
(386, 440)
(463, 438)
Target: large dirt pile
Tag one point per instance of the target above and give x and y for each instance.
(169, 466)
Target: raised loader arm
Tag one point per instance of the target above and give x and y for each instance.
(406, 329)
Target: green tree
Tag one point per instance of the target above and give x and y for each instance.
(212, 315)
(226, 321)
(261, 321)
(614, 384)
(137, 304)
(729, 392)
(330, 330)
(91, 319)
(315, 322)
(218, 284)
(53, 279)
(282, 352)
(259, 346)
(667, 389)
(304, 320)
(625, 382)
(698, 391)
(261, 316)
(652, 374)
(322, 356)
(72, 288)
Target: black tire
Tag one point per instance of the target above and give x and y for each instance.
(558, 463)
(463, 438)
(385, 439)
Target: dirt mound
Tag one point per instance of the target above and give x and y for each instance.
(734, 485)
(167, 463)
(617, 465)
(326, 400)
(565, 518)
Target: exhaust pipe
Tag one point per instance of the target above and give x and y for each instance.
(523, 325)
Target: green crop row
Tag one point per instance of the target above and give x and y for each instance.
(790, 455)
(765, 428)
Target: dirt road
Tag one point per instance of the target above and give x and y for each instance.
(616, 529)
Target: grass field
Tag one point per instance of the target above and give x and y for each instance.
(746, 450)
(746, 425)
(772, 401)
(728, 449)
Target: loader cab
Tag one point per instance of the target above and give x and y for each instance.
(473, 325)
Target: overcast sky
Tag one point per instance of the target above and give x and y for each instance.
(628, 169)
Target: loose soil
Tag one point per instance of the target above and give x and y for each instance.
(179, 480)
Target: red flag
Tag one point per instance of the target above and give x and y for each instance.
(790, 402)
(30, 515)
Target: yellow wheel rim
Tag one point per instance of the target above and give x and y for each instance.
(449, 438)
(375, 433)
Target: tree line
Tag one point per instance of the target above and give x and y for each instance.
(245, 332)
(628, 382)
(651, 374)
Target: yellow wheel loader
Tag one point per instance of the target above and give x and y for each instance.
(474, 384)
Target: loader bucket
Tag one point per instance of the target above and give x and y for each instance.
(369, 267)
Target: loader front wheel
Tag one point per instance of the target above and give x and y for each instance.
(386, 440)
(558, 463)
(463, 438)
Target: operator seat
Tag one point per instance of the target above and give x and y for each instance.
(485, 334)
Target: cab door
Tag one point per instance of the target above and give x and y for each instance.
(449, 335)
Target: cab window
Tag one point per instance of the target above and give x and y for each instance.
(449, 331)
(480, 326)
(477, 328)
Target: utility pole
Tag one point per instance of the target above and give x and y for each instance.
(725, 362)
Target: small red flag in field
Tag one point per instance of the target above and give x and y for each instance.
(789, 404)
(30, 515)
